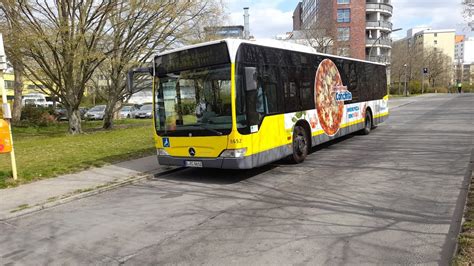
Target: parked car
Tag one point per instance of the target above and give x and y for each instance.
(144, 112)
(36, 99)
(61, 113)
(127, 111)
(96, 113)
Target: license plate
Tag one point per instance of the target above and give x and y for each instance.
(193, 163)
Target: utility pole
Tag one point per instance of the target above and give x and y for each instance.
(425, 71)
(405, 89)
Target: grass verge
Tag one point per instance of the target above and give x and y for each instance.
(43, 152)
(465, 255)
(398, 96)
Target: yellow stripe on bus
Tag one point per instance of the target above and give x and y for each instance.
(381, 114)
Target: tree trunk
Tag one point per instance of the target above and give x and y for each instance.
(74, 117)
(399, 82)
(18, 69)
(109, 112)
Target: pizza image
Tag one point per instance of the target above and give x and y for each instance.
(329, 110)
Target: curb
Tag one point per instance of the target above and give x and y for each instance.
(401, 105)
(101, 188)
(468, 177)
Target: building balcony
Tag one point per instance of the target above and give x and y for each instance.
(384, 59)
(381, 25)
(387, 43)
(379, 7)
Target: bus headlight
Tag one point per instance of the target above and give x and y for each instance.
(237, 153)
(161, 152)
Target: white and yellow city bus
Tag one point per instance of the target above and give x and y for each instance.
(239, 104)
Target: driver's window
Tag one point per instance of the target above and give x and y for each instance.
(261, 103)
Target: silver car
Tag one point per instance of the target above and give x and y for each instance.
(96, 113)
(127, 111)
(144, 112)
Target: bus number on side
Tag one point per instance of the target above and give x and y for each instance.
(236, 141)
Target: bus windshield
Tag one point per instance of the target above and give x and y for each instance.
(195, 102)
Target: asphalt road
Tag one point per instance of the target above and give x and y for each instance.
(392, 197)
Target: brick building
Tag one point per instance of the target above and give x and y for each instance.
(297, 17)
(360, 28)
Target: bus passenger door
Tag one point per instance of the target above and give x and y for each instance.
(268, 135)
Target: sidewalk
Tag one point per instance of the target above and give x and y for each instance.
(402, 101)
(54, 191)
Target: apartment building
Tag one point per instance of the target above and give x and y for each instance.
(464, 51)
(361, 28)
(464, 59)
(420, 43)
(426, 38)
(440, 40)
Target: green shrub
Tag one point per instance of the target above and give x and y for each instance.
(38, 116)
(394, 88)
(414, 87)
(466, 87)
(187, 108)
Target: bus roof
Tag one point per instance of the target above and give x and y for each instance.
(233, 46)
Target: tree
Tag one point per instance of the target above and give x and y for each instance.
(321, 33)
(140, 29)
(411, 53)
(407, 60)
(320, 38)
(468, 12)
(439, 65)
(63, 47)
(14, 46)
(399, 60)
(207, 25)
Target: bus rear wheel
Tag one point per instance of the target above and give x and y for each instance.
(301, 144)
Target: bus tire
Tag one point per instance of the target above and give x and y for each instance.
(368, 123)
(301, 144)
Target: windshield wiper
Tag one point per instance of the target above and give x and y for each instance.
(218, 133)
(178, 132)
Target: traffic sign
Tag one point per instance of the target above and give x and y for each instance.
(5, 139)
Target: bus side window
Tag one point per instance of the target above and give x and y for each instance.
(291, 97)
(306, 89)
(272, 98)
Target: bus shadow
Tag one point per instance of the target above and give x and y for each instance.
(212, 176)
(229, 177)
(326, 145)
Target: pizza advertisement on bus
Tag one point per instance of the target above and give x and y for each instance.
(329, 97)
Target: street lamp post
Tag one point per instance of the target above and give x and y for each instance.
(376, 40)
(405, 89)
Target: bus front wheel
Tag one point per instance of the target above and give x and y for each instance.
(301, 144)
(368, 123)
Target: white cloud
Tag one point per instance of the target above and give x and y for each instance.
(437, 14)
(267, 18)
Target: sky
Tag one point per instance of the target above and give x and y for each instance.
(269, 18)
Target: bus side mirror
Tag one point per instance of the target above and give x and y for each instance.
(250, 78)
(139, 79)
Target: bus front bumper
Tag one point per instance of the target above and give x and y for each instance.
(223, 163)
